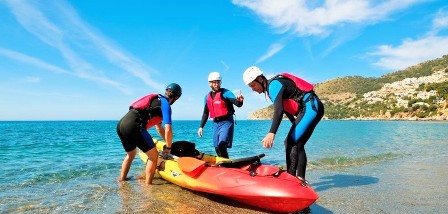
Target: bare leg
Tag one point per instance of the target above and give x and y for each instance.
(151, 165)
(126, 165)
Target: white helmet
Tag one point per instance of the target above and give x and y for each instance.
(213, 76)
(251, 73)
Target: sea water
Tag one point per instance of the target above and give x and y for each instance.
(72, 166)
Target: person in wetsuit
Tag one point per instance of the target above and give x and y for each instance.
(294, 97)
(219, 106)
(148, 111)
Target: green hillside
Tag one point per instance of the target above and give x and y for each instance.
(360, 85)
(344, 97)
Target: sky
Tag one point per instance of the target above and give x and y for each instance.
(89, 60)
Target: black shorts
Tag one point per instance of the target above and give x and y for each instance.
(132, 134)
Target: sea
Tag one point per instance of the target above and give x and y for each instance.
(72, 166)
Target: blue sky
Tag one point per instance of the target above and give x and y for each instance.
(88, 60)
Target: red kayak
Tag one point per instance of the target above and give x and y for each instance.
(245, 180)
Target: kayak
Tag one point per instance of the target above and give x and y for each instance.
(246, 180)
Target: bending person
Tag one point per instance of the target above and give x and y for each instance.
(148, 111)
(294, 97)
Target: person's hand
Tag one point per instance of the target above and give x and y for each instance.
(240, 97)
(166, 149)
(200, 132)
(268, 140)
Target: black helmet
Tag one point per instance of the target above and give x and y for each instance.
(175, 89)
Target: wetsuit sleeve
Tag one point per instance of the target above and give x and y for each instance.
(276, 90)
(166, 110)
(230, 97)
(204, 114)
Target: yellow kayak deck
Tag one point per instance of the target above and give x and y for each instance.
(168, 167)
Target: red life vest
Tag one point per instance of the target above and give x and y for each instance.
(301, 84)
(292, 106)
(143, 104)
(216, 106)
(153, 121)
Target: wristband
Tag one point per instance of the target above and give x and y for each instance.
(167, 147)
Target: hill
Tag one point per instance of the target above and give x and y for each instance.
(419, 92)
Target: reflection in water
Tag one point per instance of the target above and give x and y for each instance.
(163, 197)
(125, 191)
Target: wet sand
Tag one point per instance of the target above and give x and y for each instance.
(163, 197)
(404, 185)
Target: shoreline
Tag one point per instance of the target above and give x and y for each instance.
(408, 185)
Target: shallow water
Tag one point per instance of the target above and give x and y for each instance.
(369, 166)
(405, 185)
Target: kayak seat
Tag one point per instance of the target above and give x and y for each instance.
(240, 162)
(184, 149)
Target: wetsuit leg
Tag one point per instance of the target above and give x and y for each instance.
(148, 143)
(291, 156)
(231, 130)
(221, 151)
(124, 132)
(223, 134)
(300, 133)
(132, 134)
(216, 137)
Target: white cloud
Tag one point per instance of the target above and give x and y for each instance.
(413, 51)
(48, 67)
(32, 61)
(306, 18)
(441, 20)
(58, 26)
(273, 49)
(321, 18)
(410, 52)
(226, 67)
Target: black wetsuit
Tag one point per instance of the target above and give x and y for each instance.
(311, 111)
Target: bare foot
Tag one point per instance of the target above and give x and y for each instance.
(142, 180)
(125, 179)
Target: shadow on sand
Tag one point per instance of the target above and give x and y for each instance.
(339, 181)
(316, 208)
(342, 181)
